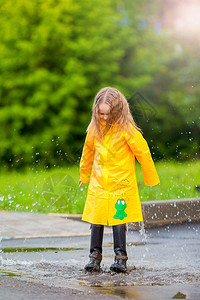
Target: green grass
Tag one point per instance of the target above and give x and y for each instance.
(57, 190)
(178, 180)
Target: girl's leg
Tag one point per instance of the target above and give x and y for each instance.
(95, 248)
(119, 237)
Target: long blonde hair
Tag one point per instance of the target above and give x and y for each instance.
(119, 115)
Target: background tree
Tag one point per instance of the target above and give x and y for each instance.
(55, 56)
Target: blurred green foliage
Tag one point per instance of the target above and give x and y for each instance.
(55, 55)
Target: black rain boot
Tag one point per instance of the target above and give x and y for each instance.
(119, 236)
(95, 248)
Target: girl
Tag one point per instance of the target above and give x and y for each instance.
(108, 163)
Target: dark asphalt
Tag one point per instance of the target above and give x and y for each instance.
(13, 289)
(162, 262)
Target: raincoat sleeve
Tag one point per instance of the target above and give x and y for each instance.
(140, 149)
(87, 158)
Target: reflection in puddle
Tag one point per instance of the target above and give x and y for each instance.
(42, 249)
(122, 292)
(7, 273)
(120, 289)
(136, 243)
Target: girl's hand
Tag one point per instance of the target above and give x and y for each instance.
(80, 183)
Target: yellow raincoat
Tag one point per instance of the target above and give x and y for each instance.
(109, 167)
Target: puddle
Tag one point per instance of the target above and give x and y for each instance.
(119, 288)
(164, 259)
(42, 249)
(70, 273)
(132, 244)
(8, 273)
(122, 292)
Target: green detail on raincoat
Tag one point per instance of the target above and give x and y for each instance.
(120, 206)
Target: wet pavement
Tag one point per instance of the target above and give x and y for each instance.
(16, 225)
(163, 263)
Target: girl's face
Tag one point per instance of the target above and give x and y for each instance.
(104, 111)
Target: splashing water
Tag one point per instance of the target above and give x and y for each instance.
(0, 242)
(143, 233)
